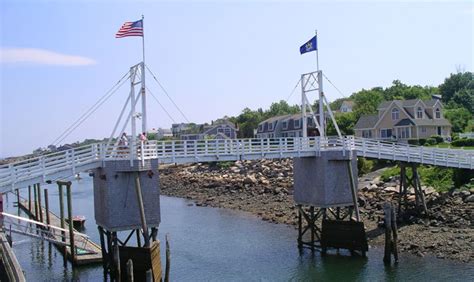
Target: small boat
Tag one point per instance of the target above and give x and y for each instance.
(78, 176)
(78, 221)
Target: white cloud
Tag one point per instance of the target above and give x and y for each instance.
(41, 57)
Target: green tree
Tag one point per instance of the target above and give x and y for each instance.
(367, 101)
(459, 118)
(455, 83)
(464, 98)
(345, 122)
(281, 108)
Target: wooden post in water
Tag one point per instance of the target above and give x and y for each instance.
(395, 233)
(36, 201)
(102, 248)
(116, 256)
(46, 204)
(138, 190)
(18, 197)
(71, 227)
(40, 207)
(388, 232)
(29, 198)
(61, 217)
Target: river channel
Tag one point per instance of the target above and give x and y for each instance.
(209, 244)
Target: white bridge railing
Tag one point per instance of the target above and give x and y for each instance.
(66, 163)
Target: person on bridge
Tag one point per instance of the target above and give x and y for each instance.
(143, 137)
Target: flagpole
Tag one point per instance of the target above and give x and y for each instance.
(320, 90)
(317, 59)
(144, 118)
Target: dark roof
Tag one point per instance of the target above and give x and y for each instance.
(404, 122)
(367, 121)
(432, 122)
(406, 103)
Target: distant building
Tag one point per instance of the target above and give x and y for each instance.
(346, 106)
(286, 126)
(222, 129)
(178, 128)
(404, 119)
(164, 133)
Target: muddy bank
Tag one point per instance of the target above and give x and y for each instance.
(265, 188)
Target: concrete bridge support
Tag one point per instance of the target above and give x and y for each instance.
(127, 201)
(325, 191)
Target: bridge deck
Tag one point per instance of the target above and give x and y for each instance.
(79, 259)
(60, 165)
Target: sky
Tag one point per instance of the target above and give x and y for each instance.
(214, 58)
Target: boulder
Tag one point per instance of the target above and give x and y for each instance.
(469, 199)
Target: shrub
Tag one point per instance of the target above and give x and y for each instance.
(413, 142)
(438, 139)
(364, 166)
(422, 141)
(463, 142)
(430, 141)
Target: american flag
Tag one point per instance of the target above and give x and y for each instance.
(130, 29)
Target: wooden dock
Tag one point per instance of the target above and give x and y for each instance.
(80, 258)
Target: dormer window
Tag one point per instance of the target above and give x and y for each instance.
(285, 125)
(270, 126)
(437, 113)
(395, 114)
(419, 113)
(260, 128)
(297, 123)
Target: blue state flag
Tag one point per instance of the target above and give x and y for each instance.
(311, 45)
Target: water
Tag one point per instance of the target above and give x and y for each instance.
(210, 244)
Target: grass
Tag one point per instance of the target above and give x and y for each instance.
(448, 145)
(439, 178)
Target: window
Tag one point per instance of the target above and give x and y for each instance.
(260, 127)
(386, 133)
(395, 114)
(419, 113)
(423, 129)
(297, 123)
(437, 113)
(403, 133)
(310, 121)
(367, 133)
(285, 125)
(270, 126)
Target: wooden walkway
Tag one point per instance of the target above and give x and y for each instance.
(79, 258)
(10, 269)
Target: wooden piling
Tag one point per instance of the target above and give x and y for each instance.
(116, 256)
(102, 248)
(394, 232)
(40, 207)
(35, 201)
(139, 240)
(388, 232)
(29, 198)
(46, 203)
(61, 217)
(71, 229)
(138, 190)
(18, 197)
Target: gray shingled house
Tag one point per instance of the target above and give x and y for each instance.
(222, 129)
(403, 120)
(285, 126)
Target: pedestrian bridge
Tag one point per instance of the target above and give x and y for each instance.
(67, 163)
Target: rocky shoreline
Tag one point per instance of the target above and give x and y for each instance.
(265, 188)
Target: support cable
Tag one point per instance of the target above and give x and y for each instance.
(166, 92)
(293, 91)
(90, 111)
(163, 108)
(337, 89)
